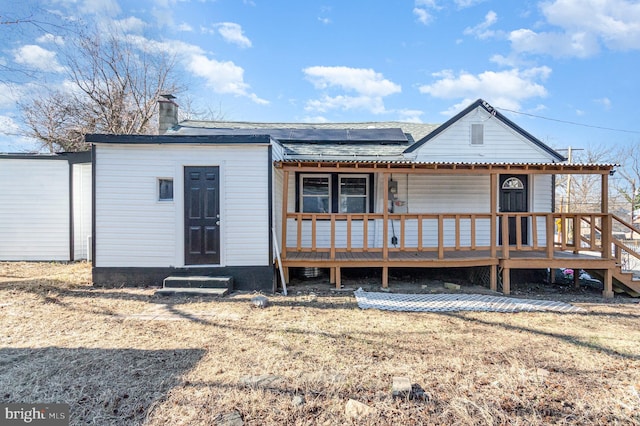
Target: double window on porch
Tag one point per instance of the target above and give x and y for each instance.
(334, 193)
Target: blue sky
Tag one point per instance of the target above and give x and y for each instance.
(570, 61)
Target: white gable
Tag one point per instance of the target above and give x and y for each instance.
(500, 143)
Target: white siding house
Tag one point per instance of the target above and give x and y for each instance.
(45, 206)
(448, 181)
(142, 235)
(474, 136)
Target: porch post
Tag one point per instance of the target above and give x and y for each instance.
(605, 193)
(285, 201)
(493, 209)
(283, 237)
(385, 217)
(493, 278)
(606, 219)
(506, 280)
(608, 283)
(385, 277)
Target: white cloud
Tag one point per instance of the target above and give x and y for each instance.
(427, 3)
(8, 125)
(131, 24)
(373, 104)
(578, 44)
(421, 10)
(10, 139)
(369, 87)
(463, 4)
(35, 56)
(232, 33)
(410, 115)
(184, 27)
(615, 22)
(361, 80)
(423, 16)
(223, 77)
(325, 21)
(482, 30)
(50, 38)
(582, 27)
(314, 119)
(100, 7)
(505, 89)
(605, 102)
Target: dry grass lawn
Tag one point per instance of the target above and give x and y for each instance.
(98, 350)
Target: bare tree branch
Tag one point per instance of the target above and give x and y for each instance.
(115, 87)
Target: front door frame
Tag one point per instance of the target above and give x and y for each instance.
(519, 204)
(201, 229)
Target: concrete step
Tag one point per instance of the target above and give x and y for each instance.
(198, 282)
(183, 291)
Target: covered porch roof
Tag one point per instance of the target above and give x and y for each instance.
(437, 167)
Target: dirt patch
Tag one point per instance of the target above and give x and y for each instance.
(302, 358)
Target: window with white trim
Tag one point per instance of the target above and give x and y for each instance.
(334, 193)
(354, 193)
(165, 189)
(315, 193)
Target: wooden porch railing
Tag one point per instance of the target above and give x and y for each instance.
(621, 251)
(445, 232)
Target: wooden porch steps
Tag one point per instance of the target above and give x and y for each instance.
(623, 282)
(196, 285)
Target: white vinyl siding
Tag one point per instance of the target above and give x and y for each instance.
(81, 210)
(134, 229)
(541, 193)
(500, 143)
(421, 194)
(34, 210)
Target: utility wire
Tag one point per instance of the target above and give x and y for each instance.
(569, 122)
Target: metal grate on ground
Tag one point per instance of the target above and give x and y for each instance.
(456, 302)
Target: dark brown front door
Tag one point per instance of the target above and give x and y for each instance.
(514, 195)
(201, 216)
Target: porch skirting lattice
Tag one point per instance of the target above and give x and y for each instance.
(456, 302)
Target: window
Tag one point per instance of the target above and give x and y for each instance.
(512, 183)
(165, 189)
(334, 193)
(353, 193)
(477, 134)
(315, 194)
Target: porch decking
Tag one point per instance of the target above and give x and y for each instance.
(580, 247)
(499, 240)
(452, 259)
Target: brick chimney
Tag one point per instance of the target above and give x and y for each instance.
(167, 113)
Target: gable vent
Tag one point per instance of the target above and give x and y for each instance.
(477, 134)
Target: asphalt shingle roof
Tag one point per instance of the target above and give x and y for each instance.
(322, 140)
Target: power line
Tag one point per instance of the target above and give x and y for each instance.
(570, 122)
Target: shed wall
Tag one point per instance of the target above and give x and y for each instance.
(34, 210)
(81, 210)
(134, 229)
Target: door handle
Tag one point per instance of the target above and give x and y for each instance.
(218, 222)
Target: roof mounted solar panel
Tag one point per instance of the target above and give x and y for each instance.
(343, 135)
(383, 135)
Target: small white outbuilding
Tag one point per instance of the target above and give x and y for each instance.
(45, 207)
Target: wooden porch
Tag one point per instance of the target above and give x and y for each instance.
(454, 240)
